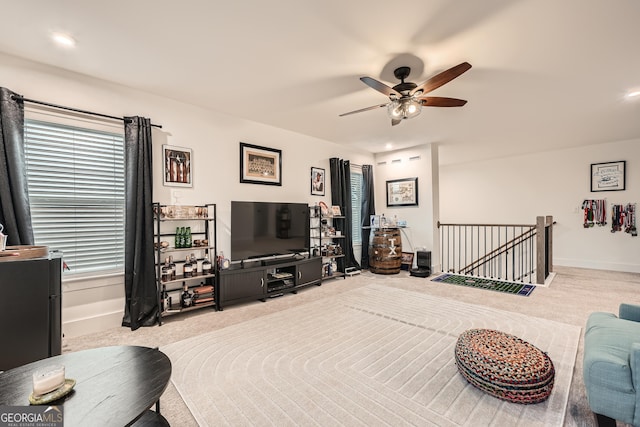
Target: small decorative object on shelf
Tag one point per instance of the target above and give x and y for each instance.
(223, 263)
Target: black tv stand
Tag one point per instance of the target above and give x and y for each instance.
(276, 261)
(258, 282)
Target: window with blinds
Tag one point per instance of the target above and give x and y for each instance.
(356, 206)
(76, 191)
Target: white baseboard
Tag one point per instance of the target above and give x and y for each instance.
(90, 325)
(597, 265)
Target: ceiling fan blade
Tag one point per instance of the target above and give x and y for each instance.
(395, 122)
(380, 87)
(364, 109)
(437, 101)
(439, 79)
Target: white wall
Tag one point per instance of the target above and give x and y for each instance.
(517, 189)
(421, 162)
(93, 305)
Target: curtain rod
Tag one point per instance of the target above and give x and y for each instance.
(75, 110)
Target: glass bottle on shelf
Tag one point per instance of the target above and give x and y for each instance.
(187, 241)
(172, 267)
(186, 299)
(165, 271)
(178, 240)
(194, 264)
(206, 265)
(187, 268)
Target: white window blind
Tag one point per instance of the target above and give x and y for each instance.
(76, 191)
(356, 206)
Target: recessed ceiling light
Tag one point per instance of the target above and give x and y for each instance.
(633, 94)
(64, 40)
(388, 146)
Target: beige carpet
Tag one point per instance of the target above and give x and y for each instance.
(374, 355)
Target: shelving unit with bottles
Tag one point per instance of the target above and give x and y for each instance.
(327, 241)
(183, 285)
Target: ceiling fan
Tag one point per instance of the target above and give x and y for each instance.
(406, 99)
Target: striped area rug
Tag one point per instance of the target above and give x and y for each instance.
(515, 288)
(372, 356)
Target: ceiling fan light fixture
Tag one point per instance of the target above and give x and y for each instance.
(404, 108)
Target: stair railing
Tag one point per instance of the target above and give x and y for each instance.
(514, 252)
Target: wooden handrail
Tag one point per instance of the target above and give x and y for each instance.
(500, 250)
(485, 225)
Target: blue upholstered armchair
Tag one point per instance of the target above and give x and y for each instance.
(612, 365)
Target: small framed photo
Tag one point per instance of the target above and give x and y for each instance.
(406, 261)
(260, 165)
(178, 166)
(336, 211)
(317, 181)
(608, 176)
(402, 192)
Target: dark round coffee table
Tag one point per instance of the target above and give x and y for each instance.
(115, 386)
(504, 366)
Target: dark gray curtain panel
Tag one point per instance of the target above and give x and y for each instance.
(15, 213)
(341, 196)
(367, 208)
(141, 305)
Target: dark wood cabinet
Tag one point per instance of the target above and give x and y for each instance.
(241, 285)
(310, 272)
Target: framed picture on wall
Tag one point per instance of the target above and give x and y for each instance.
(317, 181)
(260, 165)
(402, 192)
(178, 166)
(608, 176)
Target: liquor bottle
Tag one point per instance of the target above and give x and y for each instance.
(187, 267)
(206, 265)
(179, 237)
(194, 263)
(172, 266)
(165, 271)
(186, 299)
(187, 238)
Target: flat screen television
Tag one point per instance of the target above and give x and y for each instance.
(268, 229)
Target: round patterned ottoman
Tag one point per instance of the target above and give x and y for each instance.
(504, 366)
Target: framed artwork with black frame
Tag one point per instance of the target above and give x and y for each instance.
(178, 166)
(402, 192)
(609, 176)
(260, 165)
(317, 181)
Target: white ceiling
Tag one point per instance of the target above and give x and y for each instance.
(546, 73)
